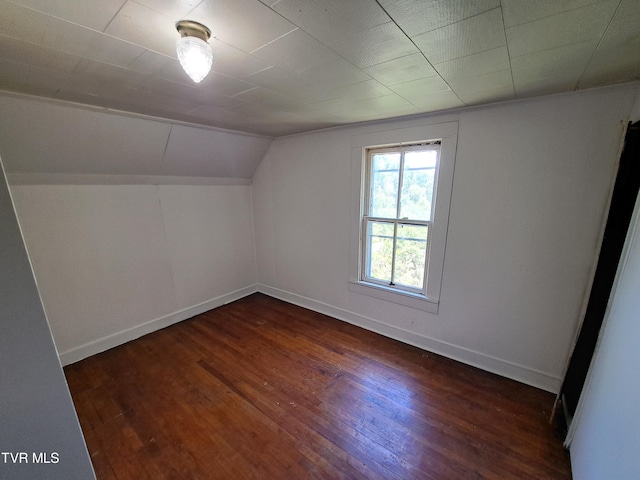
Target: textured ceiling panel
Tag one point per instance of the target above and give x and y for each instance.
(570, 60)
(332, 75)
(296, 52)
(23, 23)
(311, 83)
(612, 63)
(626, 20)
(403, 69)
(488, 81)
(575, 26)
(473, 35)
(437, 101)
(487, 61)
(416, 17)
(277, 80)
(420, 88)
(478, 97)
(84, 42)
(189, 92)
(234, 120)
(273, 100)
(245, 24)
(354, 92)
(95, 15)
(31, 79)
(544, 84)
(259, 111)
(88, 76)
(177, 9)
(19, 51)
(331, 20)
(226, 85)
(150, 63)
(517, 12)
(616, 57)
(172, 72)
(233, 62)
(366, 114)
(287, 66)
(353, 109)
(145, 27)
(154, 100)
(374, 45)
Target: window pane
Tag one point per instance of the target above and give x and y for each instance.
(385, 173)
(380, 246)
(411, 252)
(417, 184)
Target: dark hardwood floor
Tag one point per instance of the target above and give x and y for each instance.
(261, 389)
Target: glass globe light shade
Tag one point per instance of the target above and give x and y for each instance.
(195, 56)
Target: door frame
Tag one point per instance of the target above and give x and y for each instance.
(612, 254)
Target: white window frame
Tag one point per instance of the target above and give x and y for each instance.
(429, 298)
(396, 221)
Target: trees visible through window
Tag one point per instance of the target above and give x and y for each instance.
(398, 215)
(402, 179)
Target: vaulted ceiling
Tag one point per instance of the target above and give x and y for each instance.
(288, 66)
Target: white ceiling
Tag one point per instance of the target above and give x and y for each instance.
(289, 66)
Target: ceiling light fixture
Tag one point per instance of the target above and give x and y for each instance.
(193, 50)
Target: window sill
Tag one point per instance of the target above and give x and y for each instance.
(408, 299)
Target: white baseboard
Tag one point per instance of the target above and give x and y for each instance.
(498, 366)
(520, 373)
(105, 343)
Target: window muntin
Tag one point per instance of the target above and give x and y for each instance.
(398, 215)
(401, 134)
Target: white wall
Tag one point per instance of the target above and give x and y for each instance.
(114, 262)
(36, 410)
(132, 222)
(607, 437)
(43, 136)
(530, 189)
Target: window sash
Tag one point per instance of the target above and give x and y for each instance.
(414, 133)
(434, 145)
(366, 252)
(367, 219)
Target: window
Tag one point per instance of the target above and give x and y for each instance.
(397, 217)
(402, 209)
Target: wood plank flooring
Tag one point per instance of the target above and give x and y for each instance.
(261, 389)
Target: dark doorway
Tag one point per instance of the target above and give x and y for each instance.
(622, 204)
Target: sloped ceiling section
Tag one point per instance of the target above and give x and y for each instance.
(51, 138)
(289, 66)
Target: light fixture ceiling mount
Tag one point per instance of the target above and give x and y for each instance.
(194, 53)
